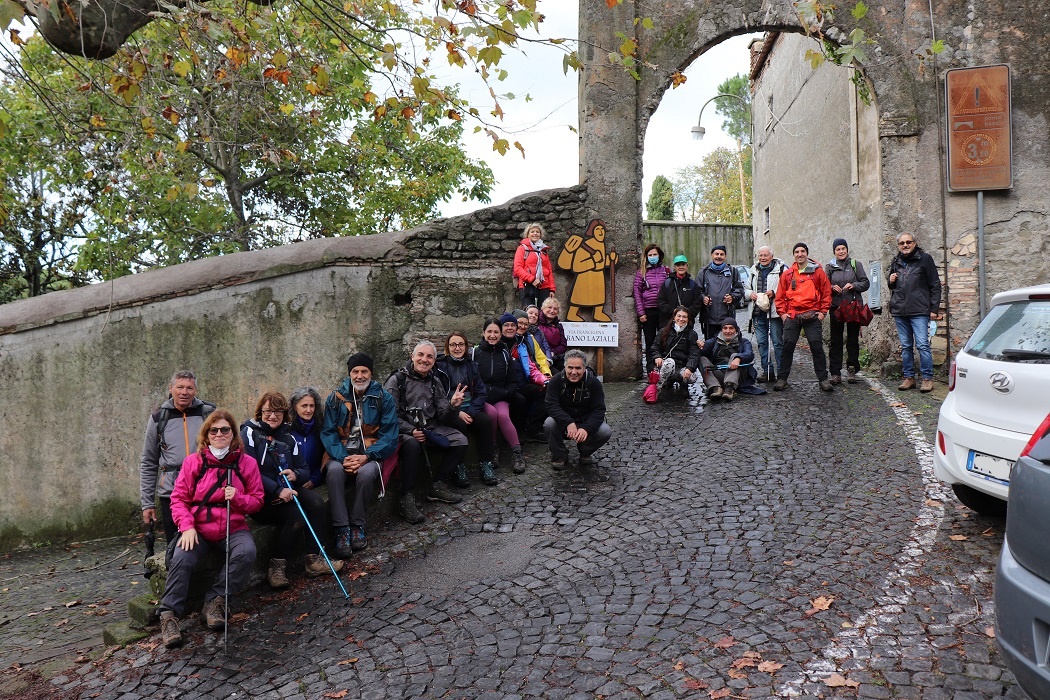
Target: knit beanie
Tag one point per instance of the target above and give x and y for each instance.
(359, 359)
(837, 242)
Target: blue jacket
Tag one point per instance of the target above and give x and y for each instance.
(379, 421)
(715, 350)
(453, 372)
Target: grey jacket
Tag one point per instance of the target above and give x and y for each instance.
(716, 284)
(410, 389)
(841, 274)
(162, 458)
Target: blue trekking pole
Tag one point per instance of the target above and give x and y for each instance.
(309, 527)
(745, 364)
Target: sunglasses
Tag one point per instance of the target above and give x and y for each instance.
(224, 430)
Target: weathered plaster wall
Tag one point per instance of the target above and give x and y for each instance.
(81, 370)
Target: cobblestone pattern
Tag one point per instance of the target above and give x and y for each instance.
(701, 568)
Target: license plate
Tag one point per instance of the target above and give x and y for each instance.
(992, 468)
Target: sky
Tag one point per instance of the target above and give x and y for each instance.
(544, 125)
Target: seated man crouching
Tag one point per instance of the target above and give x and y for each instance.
(423, 410)
(726, 361)
(575, 411)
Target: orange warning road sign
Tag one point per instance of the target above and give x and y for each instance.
(980, 145)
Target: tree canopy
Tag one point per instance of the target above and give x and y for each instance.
(660, 206)
(711, 191)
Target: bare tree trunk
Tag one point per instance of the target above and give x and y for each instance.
(740, 170)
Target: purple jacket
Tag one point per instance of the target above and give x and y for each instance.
(555, 335)
(648, 286)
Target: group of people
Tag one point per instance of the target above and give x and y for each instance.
(202, 475)
(786, 300)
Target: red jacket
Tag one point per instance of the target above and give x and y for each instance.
(525, 266)
(808, 291)
(194, 484)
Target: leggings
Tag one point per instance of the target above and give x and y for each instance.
(500, 415)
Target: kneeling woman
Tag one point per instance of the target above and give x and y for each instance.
(217, 487)
(460, 373)
(266, 438)
(675, 352)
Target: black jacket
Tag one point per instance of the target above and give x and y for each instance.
(500, 374)
(582, 403)
(453, 372)
(917, 291)
(680, 347)
(677, 291)
(281, 451)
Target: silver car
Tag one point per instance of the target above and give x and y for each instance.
(1022, 579)
(998, 391)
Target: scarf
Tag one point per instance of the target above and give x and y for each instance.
(538, 248)
(719, 267)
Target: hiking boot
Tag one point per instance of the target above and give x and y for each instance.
(169, 630)
(317, 566)
(488, 474)
(836, 379)
(716, 393)
(459, 479)
(409, 511)
(780, 385)
(825, 385)
(907, 383)
(586, 460)
(851, 377)
(761, 379)
(519, 465)
(439, 492)
(357, 538)
(343, 546)
(276, 575)
(214, 613)
(557, 464)
(926, 386)
(729, 392)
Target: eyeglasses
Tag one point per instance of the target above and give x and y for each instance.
(900, 243)
(457, 345)
(272, 412)
(224, 430)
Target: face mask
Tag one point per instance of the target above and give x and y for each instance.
(678, 329)
(219, 454)
(653, 259)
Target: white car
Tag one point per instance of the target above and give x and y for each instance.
(998, 392)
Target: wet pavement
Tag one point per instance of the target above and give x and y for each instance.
(788, 545)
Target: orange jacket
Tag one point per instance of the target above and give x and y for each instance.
(808, 291)
(525, 266)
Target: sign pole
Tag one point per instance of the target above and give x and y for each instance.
(600, 362)
(982, 280)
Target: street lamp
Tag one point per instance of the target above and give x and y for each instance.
(698, 132)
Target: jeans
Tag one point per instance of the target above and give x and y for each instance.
(765, 327)
(814, 334)
(914, 331)
(852, 346)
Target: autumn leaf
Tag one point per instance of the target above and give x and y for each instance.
(348, 661)
(612, 3)
(695, 684)
(725, 642)
(958, 538)
(933, 503)
(770, 667)
(990, 632)
(744, 662)
(736, 673)
(73, 603)
(340, 694)
(679, 666)
(677, 78)
(303, 617)
(720, 693)
(837, 681)
(822, 602)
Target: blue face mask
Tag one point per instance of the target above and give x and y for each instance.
(653, 259)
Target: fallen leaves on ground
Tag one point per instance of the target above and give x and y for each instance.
(770, 667)
(696, 684)
(238, 617)
(990, 631)
(725, 642)
(990, 532)
(720, 693)
(933, 503)
(679, 666)
(348, 661)
(819, 603)
(302, 617)
(837, 681)
(958, 538)
(340, 694)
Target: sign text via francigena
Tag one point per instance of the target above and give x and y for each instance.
(591, 335)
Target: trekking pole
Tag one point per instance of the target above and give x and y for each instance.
(419, 422)
(150, 549)
(745, 364)
(226, 578)
(288, 485)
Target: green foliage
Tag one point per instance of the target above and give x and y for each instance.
(660, 206)
(711, 191)
(737, 113)
(813, 15)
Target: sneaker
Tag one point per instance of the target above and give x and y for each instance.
(825, 385)
(214, 613)
(836, 379)
(488, 474)
(276, 575)
(439, 492)
(343, 546)
(780, 385)
(729, 392)
(557, 464)
(170, 633)
(357, 538)
(519, 465)
(716, 393)
(907, 383)
(317, 566)
(851, 377)
(926, 386)
(459, 479)
(409, 511)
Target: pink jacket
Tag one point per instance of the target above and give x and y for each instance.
(194, 484)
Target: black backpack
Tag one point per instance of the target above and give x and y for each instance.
(163, 414)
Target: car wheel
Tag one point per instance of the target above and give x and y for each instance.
(983, 503)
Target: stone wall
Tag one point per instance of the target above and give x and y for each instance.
(82, 369)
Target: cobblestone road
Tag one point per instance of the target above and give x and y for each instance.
(787, 545)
